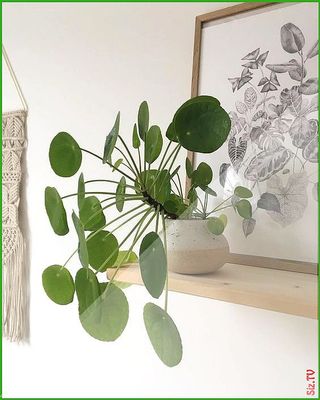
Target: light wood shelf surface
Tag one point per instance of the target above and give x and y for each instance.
(283, 291)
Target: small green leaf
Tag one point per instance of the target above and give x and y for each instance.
(208, 190)
(244, 208)
(224, 219)
(65, 155)
(117, 164)
(153, 144)
(87, 288)
(171, 133)
(135, 137)
(163, 334)
(91, 214)
(111, 140)
(102, 246)
(243, 192)
(107, 317)
(215, 225)
(202, 125)
(143, 119)
(120, 194)
(153, 264)
(189, 168)
(175, 171)
(58, 284)
(202, 176)
(81, 190)
(56, 211)
(82, 247)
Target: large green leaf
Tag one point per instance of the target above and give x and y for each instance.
(107, 317)
(81, 190)
(202, 126)
(244, 208)
(171, 133)
(163, 334)
(215, 225)
(82, 247)
(65, 155)
(160, 190)
(56, 211)
(102, 246)
(135, 137)
(58, 284)
(87, 288)
(202, 176)
(153, 144)
(120, 194)
(111, 140)
(91, 214)
(175, 205)
(153, 264)
(143, 119)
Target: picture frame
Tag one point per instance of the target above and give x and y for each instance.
(243, 12)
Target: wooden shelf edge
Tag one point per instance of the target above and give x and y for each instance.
(281, 291)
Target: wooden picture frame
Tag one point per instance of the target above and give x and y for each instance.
(252, 260)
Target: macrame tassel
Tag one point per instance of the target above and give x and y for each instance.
(14, 302)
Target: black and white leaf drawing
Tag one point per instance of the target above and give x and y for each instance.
(262, 58)
(302, 132)
(248, 226)
(267, 163)
(292, 39)
(292, 198)
(309, 87)
(292, 99)
(269, 202)
(313, 51)
(223, 170)
(299, 73)
(241, 107)
(237, 151)
(281, 68)
(310, 152)
(252, 55)
(268, 87)
(250, 97)
(259, 114)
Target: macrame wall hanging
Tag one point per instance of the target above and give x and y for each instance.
(14, 269)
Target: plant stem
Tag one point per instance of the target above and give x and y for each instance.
(217, 207)
(108, 180)
(166, 252)
(131, 197)
(157, 221)
(75, 194)
(137, 226)
(109, 223)
(180, 185)
(92, 153)
(222, 208)
(130, 155)
(131, 168)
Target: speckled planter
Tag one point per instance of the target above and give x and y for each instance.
(192, 249)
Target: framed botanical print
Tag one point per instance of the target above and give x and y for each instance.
(261, 61)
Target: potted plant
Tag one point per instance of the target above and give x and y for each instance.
(199, 125)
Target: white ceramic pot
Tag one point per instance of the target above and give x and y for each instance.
(192, 249)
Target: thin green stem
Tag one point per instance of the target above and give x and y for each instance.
(166, 252)
(131, 197)
(157, 221)
(130, 155)
(92, 153)
(76, 194)
(222, 208)
(110, 181)
(217, 207)
(137, 237)
(131, 168)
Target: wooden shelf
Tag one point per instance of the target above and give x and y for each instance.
(283, 291)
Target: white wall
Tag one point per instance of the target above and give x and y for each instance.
(78, 65)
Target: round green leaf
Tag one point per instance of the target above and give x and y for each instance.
(243, 192)
(244, 208)
(153, 264)
(174, 204)
(56, 211)
(135, 137)
(163, 334)
(143, 119)
(202, 176)
(87, 288)
(82, 246)
(102, 246)
(120, 194)
(117, 164)
(224, 219)
(81, 190)
(125, 257)
(111, 140)
(107, 317)
(189, 168)
(200, 99)
(91, 214)
(153, 144)
(65, 155)
(202, 126)
(215, 225)
(160, 190)
(58, 284)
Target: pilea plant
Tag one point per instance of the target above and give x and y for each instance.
(200, 125)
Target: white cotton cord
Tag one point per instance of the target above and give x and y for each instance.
(14, 78)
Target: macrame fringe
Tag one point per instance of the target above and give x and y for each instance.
(14, 301)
